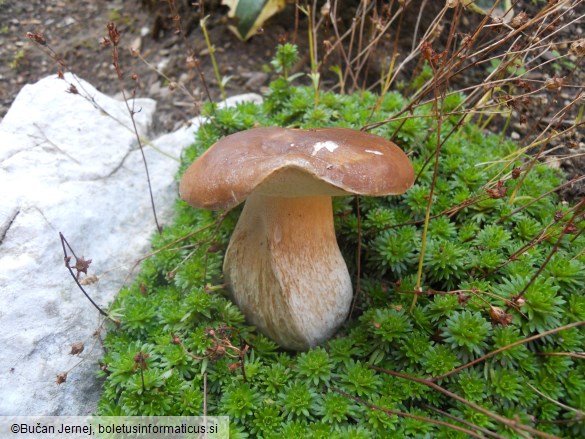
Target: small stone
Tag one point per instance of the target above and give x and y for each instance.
(136, 44)
(256, 80)
(162, 64)
(68, 21)
(154, 89)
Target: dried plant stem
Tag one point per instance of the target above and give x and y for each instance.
(388, 78)
(553, 251)
(131, 111)
(164, 76)
(176, 241)
(86, 95)
(67, 258)
(315, 77)
(554, 401)
(358, 258)
(406, 415)
(542, 235)
(338, 44)
(205, 395)
(534, 159)
(464, 422)
(93, 346)
(113, 40)
(579, 355)
(431, 193)
(211, 49)
(511, 345)
(515, 425)
(191, 59)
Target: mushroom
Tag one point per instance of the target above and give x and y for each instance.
(283, 265)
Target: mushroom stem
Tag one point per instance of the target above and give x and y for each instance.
(285, 270)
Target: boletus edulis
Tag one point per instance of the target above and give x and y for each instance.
(283, 265)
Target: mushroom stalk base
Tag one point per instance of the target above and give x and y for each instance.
(285, 270)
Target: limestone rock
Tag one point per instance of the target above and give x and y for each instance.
(70, 163)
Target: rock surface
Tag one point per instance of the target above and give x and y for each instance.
(67, 166)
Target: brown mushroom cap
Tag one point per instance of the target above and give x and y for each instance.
(295, 162)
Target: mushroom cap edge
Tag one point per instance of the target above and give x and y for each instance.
(324, 161)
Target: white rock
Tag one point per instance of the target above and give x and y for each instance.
(66, 166)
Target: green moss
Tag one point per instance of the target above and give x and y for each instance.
(476, 258)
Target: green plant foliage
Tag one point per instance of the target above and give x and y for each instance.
(286, 56)
(298, 400)
(467, 332)
(315, 366)
(483, 288)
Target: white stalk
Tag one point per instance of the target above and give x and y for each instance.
(285, 270)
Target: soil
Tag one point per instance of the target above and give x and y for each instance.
(75, 29)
